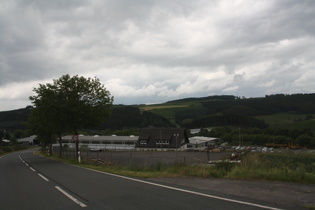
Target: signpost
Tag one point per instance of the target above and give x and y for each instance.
(75, 138)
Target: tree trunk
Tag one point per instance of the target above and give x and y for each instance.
(60, 145)
(77, 149)
(76, 144)
(51, 143)
(43, 147)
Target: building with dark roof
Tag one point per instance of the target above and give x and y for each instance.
(162, 138)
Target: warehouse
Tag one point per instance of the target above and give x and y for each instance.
(201, 142)
(102, 142)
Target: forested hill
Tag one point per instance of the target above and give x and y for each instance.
(15, 119)
(270, 104)
(122, 117)
(280, 103)
(236, 111)
(226, 110)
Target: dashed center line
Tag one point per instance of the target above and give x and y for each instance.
(70, 197)
(57, 187)
(43, 177)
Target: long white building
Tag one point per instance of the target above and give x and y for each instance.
(102, 142)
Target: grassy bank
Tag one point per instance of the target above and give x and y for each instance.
(12, 148)
(299, 168)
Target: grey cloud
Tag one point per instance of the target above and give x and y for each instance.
(152, 49)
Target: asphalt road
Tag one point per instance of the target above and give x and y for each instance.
(28, 181)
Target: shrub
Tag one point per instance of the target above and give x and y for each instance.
(6, 149)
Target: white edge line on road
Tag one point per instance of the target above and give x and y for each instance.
(70, 197)
(43, 177)
(187, 191)
(32, 169)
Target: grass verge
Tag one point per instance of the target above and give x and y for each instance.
(12, 148)
(298, 168)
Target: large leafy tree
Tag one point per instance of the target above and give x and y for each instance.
(69, 104)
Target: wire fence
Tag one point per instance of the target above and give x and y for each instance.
(143, 158)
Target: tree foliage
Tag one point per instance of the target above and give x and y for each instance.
(69, 104)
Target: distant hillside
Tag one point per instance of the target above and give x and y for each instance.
(280, 110)
(235, 111)
(15, 119)
(223, 97)
(122, 117)
(127, 117)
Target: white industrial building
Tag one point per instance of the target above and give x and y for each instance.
(31, 140)
(201, 142)
(102, 142)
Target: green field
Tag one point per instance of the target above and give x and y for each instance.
(168, 110)
(160, 106)
(289, 121)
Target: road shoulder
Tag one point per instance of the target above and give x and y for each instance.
(287, 195)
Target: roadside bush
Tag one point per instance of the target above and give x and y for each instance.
(222, 169)
(6, 149)
(18, 147)
(1, 152)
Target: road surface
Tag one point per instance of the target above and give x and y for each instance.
(32, 182)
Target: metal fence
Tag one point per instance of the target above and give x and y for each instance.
(132, 157)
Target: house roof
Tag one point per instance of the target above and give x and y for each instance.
(160, 133)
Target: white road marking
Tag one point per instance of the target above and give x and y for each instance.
(43, 177)
(57, 187)
(188, 191)
(70, 197)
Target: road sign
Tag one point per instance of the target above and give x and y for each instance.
(75, 137)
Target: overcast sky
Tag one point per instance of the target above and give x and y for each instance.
(154, 51)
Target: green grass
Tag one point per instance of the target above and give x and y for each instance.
(289, 121)
(168, 110)
(310, 207)
(298, 168)
(161, 106)
(11, 148)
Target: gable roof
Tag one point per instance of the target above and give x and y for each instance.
(174, 136)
